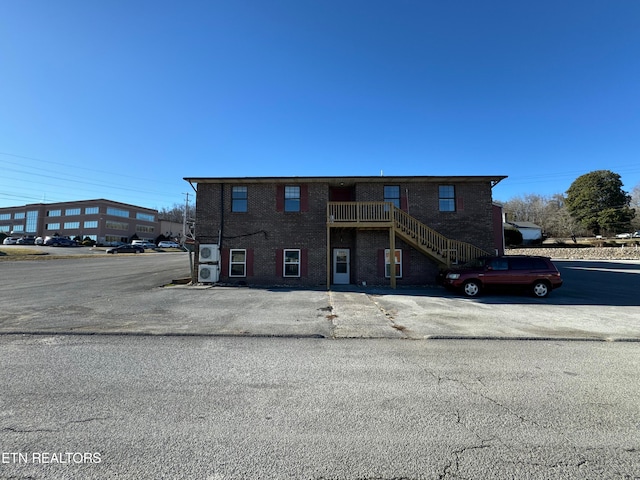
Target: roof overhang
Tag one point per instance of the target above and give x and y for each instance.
(352, 180)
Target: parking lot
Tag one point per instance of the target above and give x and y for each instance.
(132, 295)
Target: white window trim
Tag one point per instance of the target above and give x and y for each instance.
(285, 263)
(231, 262)
(387, 264)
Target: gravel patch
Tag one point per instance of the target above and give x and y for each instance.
(588, 253)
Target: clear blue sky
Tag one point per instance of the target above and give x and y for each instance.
(122, 99)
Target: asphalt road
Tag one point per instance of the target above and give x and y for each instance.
(273, 408)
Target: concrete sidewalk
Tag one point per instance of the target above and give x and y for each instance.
(424, 313)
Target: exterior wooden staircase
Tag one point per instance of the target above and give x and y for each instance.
(443, 250)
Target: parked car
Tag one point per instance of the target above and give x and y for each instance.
(39, 241)
(143, 244)
(126, 249)
(10, 241)
(537, 274)
(623, 235)
(636, 234)
(60, 242)
(168, 245)
(26, 241)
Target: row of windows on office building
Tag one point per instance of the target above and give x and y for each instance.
(116, 212)
(292, 197)
(89, 224)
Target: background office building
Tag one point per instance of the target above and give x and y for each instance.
(104, 221)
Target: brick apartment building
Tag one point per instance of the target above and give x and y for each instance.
(104, 221)
(311, 231)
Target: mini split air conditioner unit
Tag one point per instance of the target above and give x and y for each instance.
(209, 253)
(208, 273)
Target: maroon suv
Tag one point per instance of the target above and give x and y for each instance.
(537, 274)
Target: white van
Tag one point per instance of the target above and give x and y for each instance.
(143, 243)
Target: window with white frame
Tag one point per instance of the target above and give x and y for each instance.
(54, 213)
(118, 212)
(387, 263)
(291, 198)
(18, 228)
(291, 263)
(91, 224)
(91, 210)
(53, 226)
(72, 211)
(238, 263)
(19, 216)
(447, 198)
(72, 225)
(5, 216)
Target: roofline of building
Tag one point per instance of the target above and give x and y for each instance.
(346, 180)
(36, 204)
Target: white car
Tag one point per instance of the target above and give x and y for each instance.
(168, 245)
(10, 241)
(623, 235)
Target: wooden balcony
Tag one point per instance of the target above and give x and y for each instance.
(385, 215)
(360, 214)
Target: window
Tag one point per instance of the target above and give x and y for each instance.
(72, 211)
(110, 224)
(53, 226)
(91, 237)
(498, 264)
(32, 221)
(447, 198)
(387, 264)
(54, 213)
(144, 229)
(117, 212)
(239, 199)
(5, 216)
(291, 198)
(238, 263)
(91, 224)
(91, 210)
(18, 228)
(5, 228)
(392, 194)
(145, 216)
(19, 216)
(72, 225)
(292, 263)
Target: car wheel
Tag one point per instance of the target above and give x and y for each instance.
(540, 289)
(471, 288)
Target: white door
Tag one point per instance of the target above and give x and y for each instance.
(341, 266)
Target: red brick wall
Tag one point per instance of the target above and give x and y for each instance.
(266, 230)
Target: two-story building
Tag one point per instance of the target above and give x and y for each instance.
(311, 231)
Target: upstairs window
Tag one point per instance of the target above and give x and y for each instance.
(291, 198)
(54, 213)
(392, 194)
(239, 199)
(72, 211)
(447, 198)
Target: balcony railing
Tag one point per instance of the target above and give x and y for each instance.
(359, 212)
